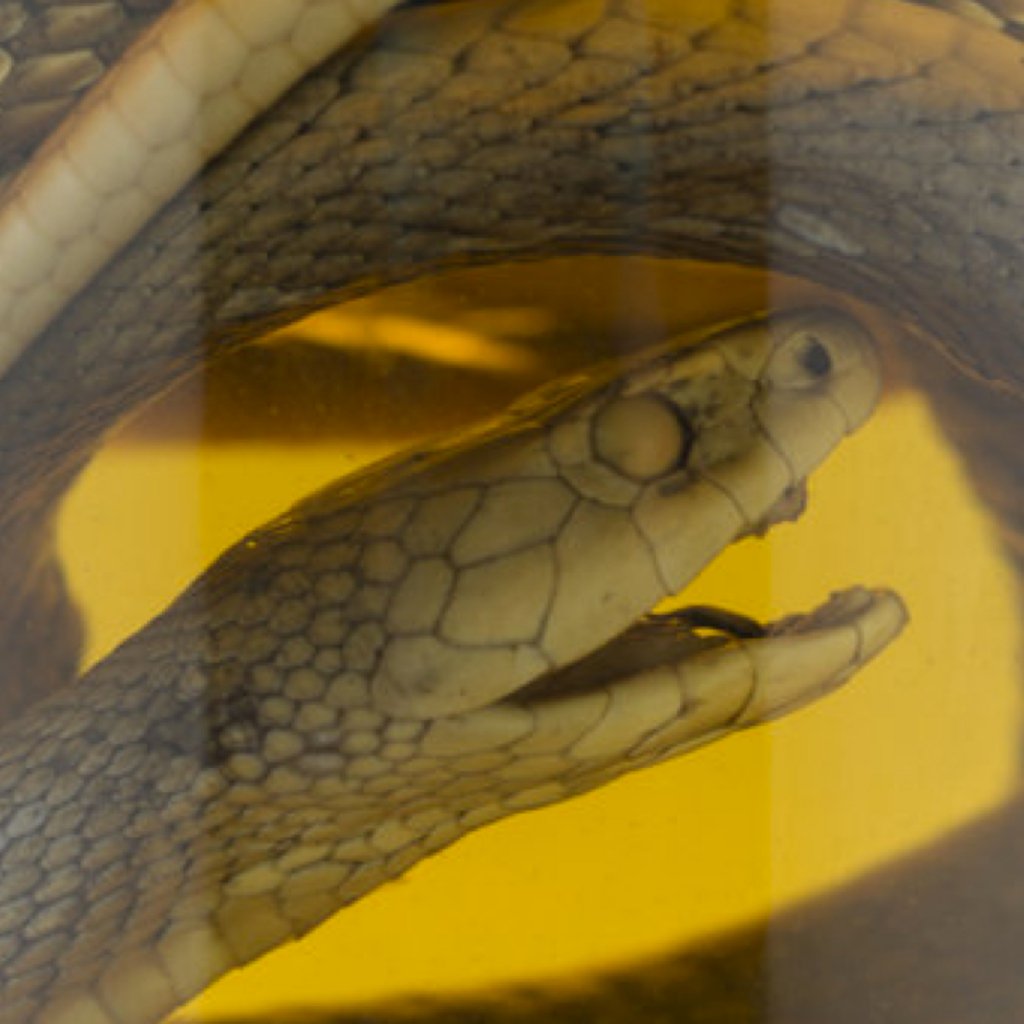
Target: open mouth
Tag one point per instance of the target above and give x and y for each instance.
(669, 683)
(769, 668)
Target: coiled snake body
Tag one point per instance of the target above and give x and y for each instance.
(388, 665)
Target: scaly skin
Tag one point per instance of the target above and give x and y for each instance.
(367, 678)
(859, 176)
(50, 54)
(879, 154)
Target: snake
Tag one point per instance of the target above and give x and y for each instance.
(453, 635)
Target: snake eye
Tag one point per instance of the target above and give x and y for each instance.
(815, 358)
(805, 359)
(642, 437)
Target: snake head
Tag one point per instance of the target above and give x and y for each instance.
(590, 505)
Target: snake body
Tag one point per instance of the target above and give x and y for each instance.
(384, 667)
(871, 145)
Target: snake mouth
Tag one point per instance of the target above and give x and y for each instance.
(730, 671)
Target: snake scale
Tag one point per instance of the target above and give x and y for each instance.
(871, 145)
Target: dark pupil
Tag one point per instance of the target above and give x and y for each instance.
(815, 359)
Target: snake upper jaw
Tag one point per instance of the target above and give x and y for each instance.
(788, 509)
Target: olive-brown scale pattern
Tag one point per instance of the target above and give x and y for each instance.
(229, 776)
(464, 131)
(50, 55)
(974, 141)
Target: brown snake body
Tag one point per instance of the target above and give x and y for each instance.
(873, 146)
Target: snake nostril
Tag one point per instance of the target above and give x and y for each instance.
(815, 358)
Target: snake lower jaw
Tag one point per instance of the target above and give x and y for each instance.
(709, 672)
(806, 655)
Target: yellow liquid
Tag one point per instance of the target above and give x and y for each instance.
(922, 740)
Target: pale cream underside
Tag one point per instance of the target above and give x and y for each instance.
(187, 88)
